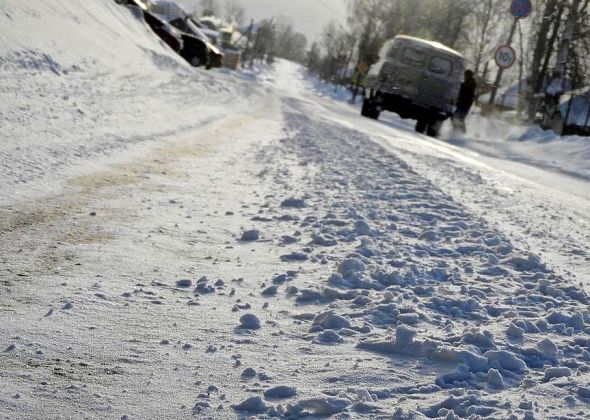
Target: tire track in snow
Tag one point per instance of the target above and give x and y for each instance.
(416, 274)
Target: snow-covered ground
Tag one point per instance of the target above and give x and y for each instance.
(179, 243)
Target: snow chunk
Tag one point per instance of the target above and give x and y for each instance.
(429, 235)
(333, 294)
(404, 343)
(457, 378)
(330, 321)
(575, 321)
(297, 203)
(248, 373)
(515, 331)
(351, 265)
(249, 322)
(308, 295)
(281, 391)
(362, 228)
(531, 264)
(203, 286)
(556, 372)
(200, 407)
(495, 379)
(547, 347)
(322, 240)
(474, 362)
(484, 340)
(253, 405)
(329, 337)
(250, 235)
(184, 283)
(505, 360)
(321, 406)
(270, 291)
(294, 256)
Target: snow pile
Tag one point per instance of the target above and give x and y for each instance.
(528, 145)
(578, 112)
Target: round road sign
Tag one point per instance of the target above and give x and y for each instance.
(505, 56)
(521, 8)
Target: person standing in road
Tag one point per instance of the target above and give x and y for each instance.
(465, 100)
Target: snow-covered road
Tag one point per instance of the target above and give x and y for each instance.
(266, 251)
(122, 293)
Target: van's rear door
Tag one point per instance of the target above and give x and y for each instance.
(407, 72)
(438, 81)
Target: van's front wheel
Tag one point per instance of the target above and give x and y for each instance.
(434, 127)
(369, 109)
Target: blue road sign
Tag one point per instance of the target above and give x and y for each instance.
(521, 8)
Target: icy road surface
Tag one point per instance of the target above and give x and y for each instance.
(282, 256)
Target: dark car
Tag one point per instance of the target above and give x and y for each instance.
(187, 26)
(194, 50)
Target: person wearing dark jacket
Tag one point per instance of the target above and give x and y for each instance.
(465, 99)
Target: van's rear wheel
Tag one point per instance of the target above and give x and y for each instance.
(369, 109)
(421, 126)
(434, 127)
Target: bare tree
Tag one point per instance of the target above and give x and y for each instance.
(367, 19)
(337, 43)
(290, 44)
(209, 8)
(234, 12)
(483, 34)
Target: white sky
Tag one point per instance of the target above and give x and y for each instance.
(308, 16)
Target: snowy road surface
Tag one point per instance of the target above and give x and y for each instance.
(279, 255)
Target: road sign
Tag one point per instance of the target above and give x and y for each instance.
(505, 56)
(521, 8)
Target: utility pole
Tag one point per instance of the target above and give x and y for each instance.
(254, 47)
(501, 70)
(349, 59)
(246, 50)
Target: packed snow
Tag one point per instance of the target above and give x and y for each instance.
(182, 243)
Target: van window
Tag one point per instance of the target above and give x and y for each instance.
(384, 49)
(440, 65)
(413, 57)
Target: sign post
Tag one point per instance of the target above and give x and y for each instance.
(505, 55)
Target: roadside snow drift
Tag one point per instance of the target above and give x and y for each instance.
(187, 244)
(85, 79)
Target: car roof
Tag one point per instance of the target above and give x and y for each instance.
(430, 44)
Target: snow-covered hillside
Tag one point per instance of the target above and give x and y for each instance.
(177, 243)
(83, 79)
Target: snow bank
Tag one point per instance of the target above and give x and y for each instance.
(82, 80)
(496, 138)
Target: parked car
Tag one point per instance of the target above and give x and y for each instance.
(190, 47)
(417, 79)
(186, 25)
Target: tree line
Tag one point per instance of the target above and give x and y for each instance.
(266, 40)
